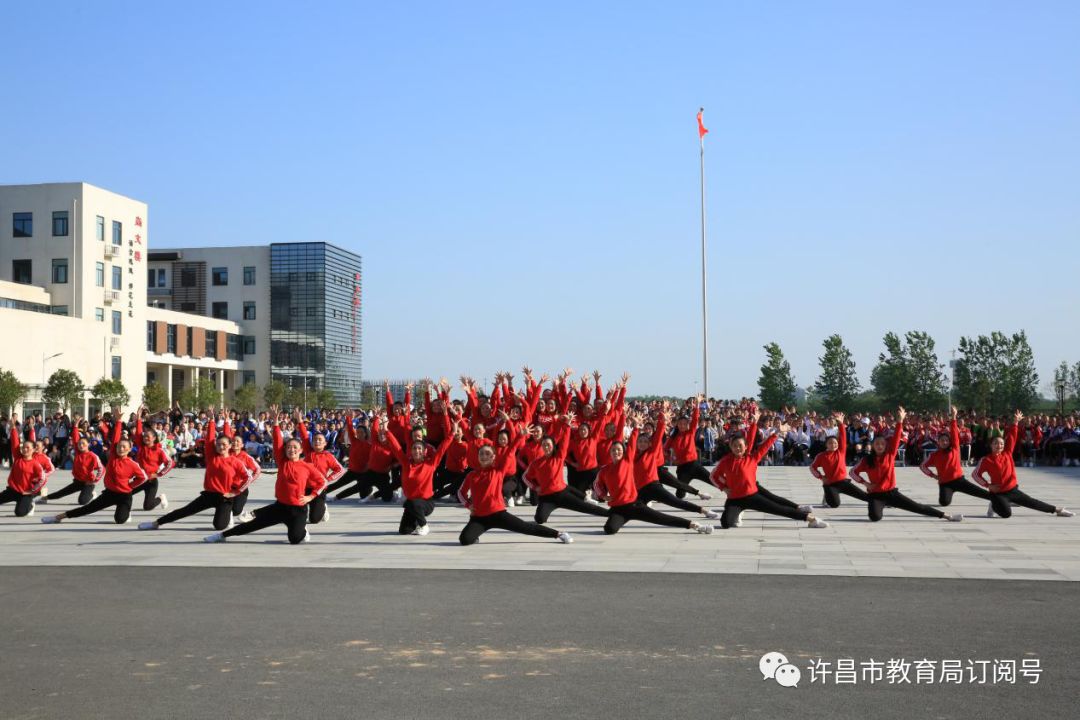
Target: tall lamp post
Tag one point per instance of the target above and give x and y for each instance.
(44, 382)
(1061, 396)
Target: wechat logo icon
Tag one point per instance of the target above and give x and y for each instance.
(775, 666)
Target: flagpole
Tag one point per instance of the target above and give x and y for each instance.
(704, 302)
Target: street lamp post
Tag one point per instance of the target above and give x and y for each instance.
(44, 382)
(1061, 396)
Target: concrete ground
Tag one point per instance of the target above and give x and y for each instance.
(154, 642)
(1030, 545)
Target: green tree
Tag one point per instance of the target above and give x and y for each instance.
(111, 392)
(274, 392)
(1074, 383)
(246, 398)
(837, 385)
(776, 385)
(202, 394)
(908, 373)
(155, 397)
(12, 392)
(369, 397)
(296, 397)
(995, 373)
(64, 389)
(325, 399)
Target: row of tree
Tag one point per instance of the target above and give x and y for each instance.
(66, 390)
(993, 373)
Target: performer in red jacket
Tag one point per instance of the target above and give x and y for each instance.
(545, 475)
(647, 464)
(830, 467)
(87, 469)
(417, 473)
(155, 463)
(944, 466)
(880, 470)
(26, 477)
(997, 473)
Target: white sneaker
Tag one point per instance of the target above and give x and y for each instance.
(164, 504)
(31, 513)
(326, 516)
(42, 499)
(244, 517)
(712, 514)
(818, 523)
(307, 537)
(565, 538)
(990, 511)
(365, 500)
(650, 503)
(704, 529)
(704, 496)
(422, 530)
(50, 519)
(215, 538)
(738, 521)
(1062, 512)
(806, 508)
(149, 525)
(955, 517)
(398, 497)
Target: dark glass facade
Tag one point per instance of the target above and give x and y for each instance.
(315, 319)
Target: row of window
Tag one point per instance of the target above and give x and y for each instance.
(22, 226)
(22, 272)
(219, 276)
(220, 310)
(236, 346)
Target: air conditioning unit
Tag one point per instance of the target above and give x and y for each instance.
(112, 250)
(112, 296)
(114, 342)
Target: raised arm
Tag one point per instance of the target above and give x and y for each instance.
(394, 446)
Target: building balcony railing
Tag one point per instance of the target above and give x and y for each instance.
(112, 250)
(112, 296)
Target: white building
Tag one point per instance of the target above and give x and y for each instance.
(73, 274)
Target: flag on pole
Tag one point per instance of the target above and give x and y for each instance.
(701, 129)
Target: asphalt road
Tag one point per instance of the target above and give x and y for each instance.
(97, 642)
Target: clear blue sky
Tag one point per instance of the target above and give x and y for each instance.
(522, 182)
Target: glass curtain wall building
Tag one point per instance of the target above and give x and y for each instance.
(315, 321)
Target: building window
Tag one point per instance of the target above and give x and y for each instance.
(190, 337)
(99, 274)
(249, 274)
(187, 277)
(100, 229)
(21, 271)
(249, 377)
(311, 277)
(60, 223)
(22, 224)
(220, 310)
(59, 309)
(249, 310)
(117, 278)
(116, 321)
(187, 307)
(219, 276)
(292, 312)
(310, 311)
(151, 335)
(116, 367)
(117, 233)
(211, 343)
(60, 271)
(233, 348)
(170, 338)
(99, 314)
(155, 277)
(249, 344)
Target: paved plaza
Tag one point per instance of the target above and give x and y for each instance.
(1029, 546)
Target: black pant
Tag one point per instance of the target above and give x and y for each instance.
(894, 498)
(107, 498)
(317, 509)
(151, 499)
(762, 501)
(1003, 502)
(581, 480)
(671, 480)
(566, 498)
(655, 492)
(692, 470)
(203, 501)
(239, 502)
(502, 520)
(451, 483)
(961, 485)
(833, 491)
(293, 516)
(23, 503)
(619, 515)
(371, 480)
(85, 490)
(414, 514)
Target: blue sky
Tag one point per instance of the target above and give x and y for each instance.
(522, 182)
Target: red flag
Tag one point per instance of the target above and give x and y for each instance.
(701, 130)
